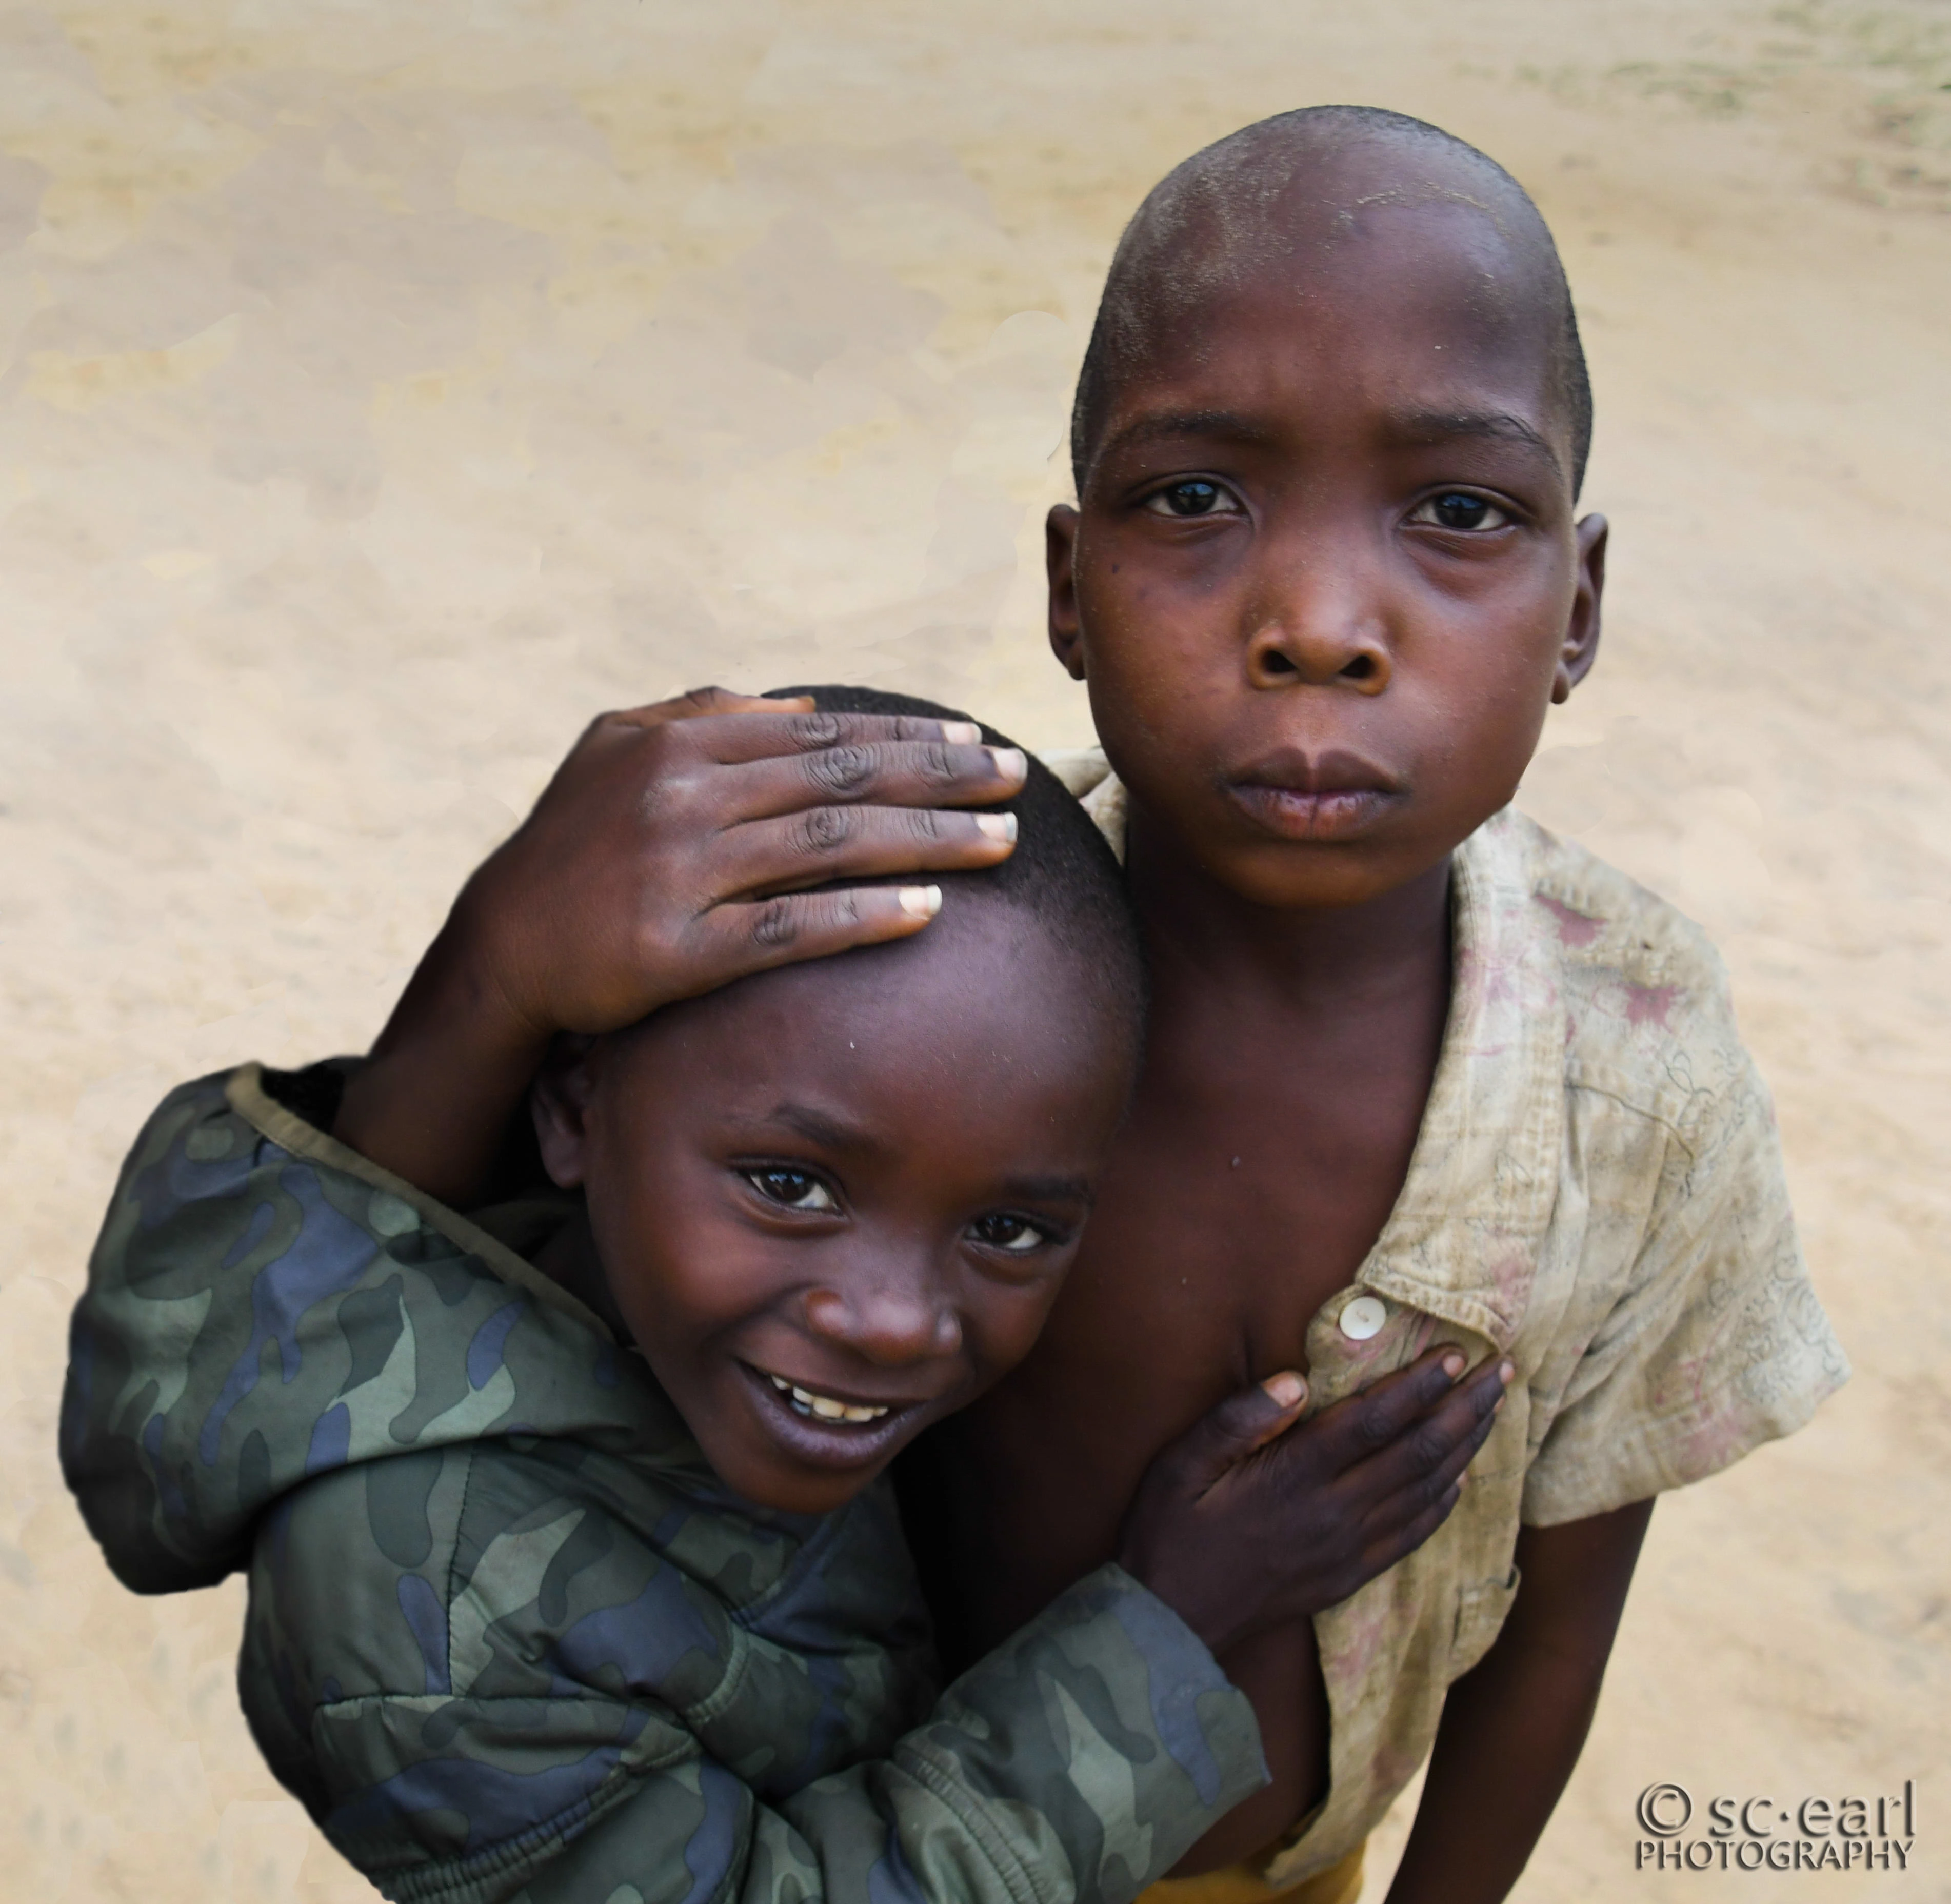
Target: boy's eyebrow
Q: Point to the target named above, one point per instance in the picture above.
(1189, 422)
(1420, 426)
(1051, 1190)
(821, 1127)
(1432, 426)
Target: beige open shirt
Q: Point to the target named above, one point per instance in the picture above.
(1597, 1192)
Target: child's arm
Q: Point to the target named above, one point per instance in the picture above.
(661, 861)
(565, 1716)
(541, 1703)
(1513, 1726)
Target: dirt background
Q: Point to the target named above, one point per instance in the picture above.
(392, 386)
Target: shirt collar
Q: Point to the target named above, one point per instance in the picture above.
(1463, 1241)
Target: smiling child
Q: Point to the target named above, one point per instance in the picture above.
(568, 1577)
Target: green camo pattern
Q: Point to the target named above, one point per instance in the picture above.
(508, 1638)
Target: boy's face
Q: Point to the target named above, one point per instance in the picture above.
(1325, 577)
(835, 1203)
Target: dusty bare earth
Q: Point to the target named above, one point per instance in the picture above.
(392, 386)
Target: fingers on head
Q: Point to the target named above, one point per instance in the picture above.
(773, 729)
(762, 933)
(844, 842)
(854, 768)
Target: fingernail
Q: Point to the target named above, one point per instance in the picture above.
(921, 902)
(963, 733)
(1453, 1366)
(1285, 1390)
(1010, 761)
(1507, 1371)
(998, 826)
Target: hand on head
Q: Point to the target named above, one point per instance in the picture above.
(670, 852)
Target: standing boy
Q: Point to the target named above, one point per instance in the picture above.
(1414, 1065)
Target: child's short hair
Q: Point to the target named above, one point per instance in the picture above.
(1211, 209)
(1062, 873)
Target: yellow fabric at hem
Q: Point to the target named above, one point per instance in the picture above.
(1339, 1883)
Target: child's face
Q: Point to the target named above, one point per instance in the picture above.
(835, 1203)
(1326, 577)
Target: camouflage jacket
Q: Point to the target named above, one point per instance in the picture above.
(507, 1636)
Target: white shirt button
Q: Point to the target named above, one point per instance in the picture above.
(1364, 1317)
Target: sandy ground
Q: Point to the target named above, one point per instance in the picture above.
(392, 386)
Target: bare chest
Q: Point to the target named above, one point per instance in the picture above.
(1239, 1199)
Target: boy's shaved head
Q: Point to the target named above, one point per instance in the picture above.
(1262, 199)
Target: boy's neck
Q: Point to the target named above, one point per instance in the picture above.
(1201, 934)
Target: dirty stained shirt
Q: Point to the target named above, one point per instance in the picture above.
(1596, 1192)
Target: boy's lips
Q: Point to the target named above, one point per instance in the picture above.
(1329, 798)
(823, 1429)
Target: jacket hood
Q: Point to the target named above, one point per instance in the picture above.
(264, 1305)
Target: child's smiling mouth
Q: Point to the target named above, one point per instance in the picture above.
(806, 1403)
(828, 1430)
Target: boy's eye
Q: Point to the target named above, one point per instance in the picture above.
(792, 1189)
(1457, 509)
(1194, 497)
(1017, 1234)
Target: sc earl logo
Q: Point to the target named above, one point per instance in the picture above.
(1766, 1833)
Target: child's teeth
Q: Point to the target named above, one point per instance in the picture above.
(806, 1402)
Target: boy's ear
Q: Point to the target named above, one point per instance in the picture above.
(1059, 555)
(559, 1102)
(1582, 631)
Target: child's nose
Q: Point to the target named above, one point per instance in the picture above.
(1317, 628)
(891, 1325)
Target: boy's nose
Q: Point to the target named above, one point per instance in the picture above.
(1316, 629)
(887, 1324)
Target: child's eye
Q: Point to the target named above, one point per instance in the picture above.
(1017, 1234)
(1194, 497)
(792, 1189)
(1458, 509)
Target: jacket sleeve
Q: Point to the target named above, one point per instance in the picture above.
(543, 1708)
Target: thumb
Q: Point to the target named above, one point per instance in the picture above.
(1236, 1427)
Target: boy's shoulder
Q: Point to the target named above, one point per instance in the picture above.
(1649, 1017)
(1648, 1013)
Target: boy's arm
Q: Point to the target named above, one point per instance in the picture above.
(1714, 1343)
(1513, 1726)
(665, 859)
